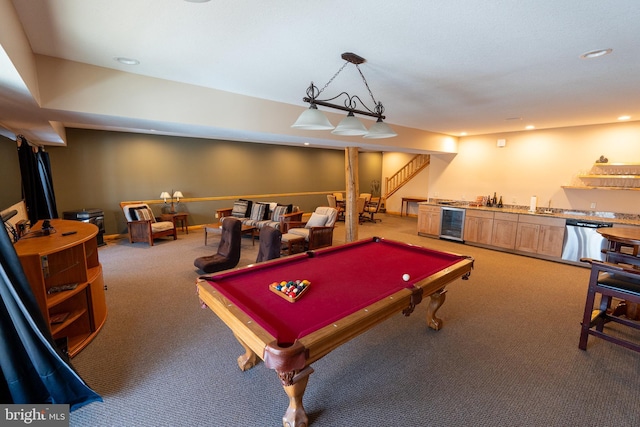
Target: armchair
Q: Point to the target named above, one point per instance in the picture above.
(333, 203)
(142, 226)
(318, 230)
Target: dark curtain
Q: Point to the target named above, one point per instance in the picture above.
(37, 182)
(32, 369)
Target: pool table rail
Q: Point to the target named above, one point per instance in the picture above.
(250, 335)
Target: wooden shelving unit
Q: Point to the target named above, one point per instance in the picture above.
(54, 260)
(610, 176)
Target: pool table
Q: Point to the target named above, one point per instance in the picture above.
(353, 287)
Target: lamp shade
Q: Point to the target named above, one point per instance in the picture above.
(380, 130)
(164, 195)
(312, 119)
(350, 126)
(178, 194)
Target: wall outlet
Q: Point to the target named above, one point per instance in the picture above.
(593, 205)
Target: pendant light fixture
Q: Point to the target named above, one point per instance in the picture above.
(314, 119)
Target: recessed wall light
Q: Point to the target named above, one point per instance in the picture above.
(127, 61)
(624, 117)
(595, 53)
(530, 127)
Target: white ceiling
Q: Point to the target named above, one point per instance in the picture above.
(441, 66)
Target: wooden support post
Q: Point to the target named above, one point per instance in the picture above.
(353, 190)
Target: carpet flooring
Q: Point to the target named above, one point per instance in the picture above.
(507, 354)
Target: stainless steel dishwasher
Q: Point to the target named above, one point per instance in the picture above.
(582, 240)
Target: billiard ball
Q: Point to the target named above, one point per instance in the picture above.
(406, 277)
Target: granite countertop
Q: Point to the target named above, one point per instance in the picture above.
(616, 218)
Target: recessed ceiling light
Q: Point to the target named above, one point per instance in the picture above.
(595, 53)
(127, 61)
(306, 143)
(530, 127)
(624, 117)
(463, 134)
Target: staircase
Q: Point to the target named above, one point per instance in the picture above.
(404, 175)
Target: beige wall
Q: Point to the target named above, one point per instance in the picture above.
(417, 187)
(538, 163)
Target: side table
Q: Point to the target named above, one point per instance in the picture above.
(178, 218)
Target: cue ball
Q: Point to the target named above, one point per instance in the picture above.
(406, 277)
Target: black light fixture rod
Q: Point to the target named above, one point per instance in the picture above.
(340, 107)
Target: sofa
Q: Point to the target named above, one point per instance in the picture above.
(261, 214)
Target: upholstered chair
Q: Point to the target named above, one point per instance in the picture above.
(270, 243)
(371, 208)
(228, 255)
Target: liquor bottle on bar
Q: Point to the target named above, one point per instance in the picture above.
(489, 201)
(500, 202)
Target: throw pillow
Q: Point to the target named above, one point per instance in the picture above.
(289, 207)
(316, 220)
(144, 214)
(257, 211)
(240, 208)
(267, 210)
(278, 212)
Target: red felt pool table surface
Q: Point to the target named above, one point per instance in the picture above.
(353, 287)
(343, 280)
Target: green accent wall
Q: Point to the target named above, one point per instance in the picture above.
(99, 169)
(11, 185)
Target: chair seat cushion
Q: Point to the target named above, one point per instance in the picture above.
(214, 263)
(621, 283)
(262, 223)
(302, 232)
(161, 226)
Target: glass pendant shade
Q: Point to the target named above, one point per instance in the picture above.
(380, 130)
(312, 119)
(350, 126)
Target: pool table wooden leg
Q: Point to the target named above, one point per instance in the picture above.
(249, 359)
(437, 299)
(294, 385)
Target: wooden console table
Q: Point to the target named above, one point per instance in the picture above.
(407, 200)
